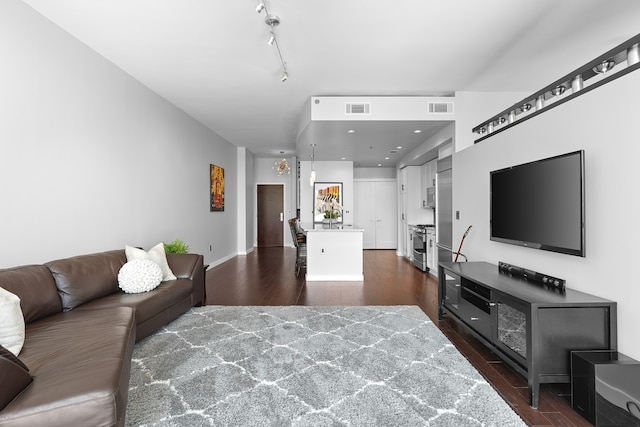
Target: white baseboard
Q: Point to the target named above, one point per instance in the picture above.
(221, 260)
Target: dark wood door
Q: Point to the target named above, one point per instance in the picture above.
(270, 215)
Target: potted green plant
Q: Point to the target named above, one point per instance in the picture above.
(332, 214)
(178, 246)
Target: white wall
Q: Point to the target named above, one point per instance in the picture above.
(265, 173)
(374, 173)
(245, 201)
(429, 149)
(92, 160)
(603, 122)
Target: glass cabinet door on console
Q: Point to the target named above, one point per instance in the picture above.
(511, 320)
(452, 291)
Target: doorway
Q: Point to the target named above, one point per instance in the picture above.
(270, 215)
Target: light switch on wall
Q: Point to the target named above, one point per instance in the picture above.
(457, 214)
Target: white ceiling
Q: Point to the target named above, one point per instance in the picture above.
(210, 57)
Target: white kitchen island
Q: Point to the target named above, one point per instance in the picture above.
(334, 253)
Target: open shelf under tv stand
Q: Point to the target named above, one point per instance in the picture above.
(530, 328)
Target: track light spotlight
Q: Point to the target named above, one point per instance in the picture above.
(285, 77)
(604, 66)
(558, 90)
(272, 38)
(260, 7)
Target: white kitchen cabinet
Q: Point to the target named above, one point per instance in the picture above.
(432, 172)
(403, 180)
(414, 214)
(427, 180)
(431, 252)
(411, 211)
(413, 190)
(424, 177)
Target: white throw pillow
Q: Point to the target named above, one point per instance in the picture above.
(139, 275)
(11, 322)
(155, 254)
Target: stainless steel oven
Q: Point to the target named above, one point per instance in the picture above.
(420, 250)
(419, 253)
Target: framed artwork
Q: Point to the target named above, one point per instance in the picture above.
(217, 188)
(327, 202)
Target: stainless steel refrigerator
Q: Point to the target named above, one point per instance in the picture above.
(444, 209)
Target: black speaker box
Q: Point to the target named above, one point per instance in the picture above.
(605, 388)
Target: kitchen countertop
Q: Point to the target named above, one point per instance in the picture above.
(307, 226)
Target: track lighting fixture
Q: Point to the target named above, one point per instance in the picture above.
(617, 62)
(273, 21)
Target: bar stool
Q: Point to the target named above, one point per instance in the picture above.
(300, 242)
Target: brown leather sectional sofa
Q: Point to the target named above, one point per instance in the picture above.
(80, 333)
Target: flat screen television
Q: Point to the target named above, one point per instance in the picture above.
(540, 204)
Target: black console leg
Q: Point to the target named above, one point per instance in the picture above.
(534, 392)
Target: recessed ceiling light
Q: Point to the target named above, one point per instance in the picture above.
(399, 147)
(350, 131)
(343, 158)
(417, 131)
(379, 164)
(386, 158)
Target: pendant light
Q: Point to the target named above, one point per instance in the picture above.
(312, 179)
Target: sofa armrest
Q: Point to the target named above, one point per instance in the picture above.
(189, 266)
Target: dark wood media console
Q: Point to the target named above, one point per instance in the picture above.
(531, 328)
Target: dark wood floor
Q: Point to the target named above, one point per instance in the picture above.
(266, 277)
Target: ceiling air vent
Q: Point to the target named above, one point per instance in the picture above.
(361, 108)
(440, 107)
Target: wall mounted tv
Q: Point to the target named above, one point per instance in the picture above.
(540, 204)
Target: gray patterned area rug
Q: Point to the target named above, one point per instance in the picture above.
(308, 366)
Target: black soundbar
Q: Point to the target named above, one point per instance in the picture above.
(552, 283)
